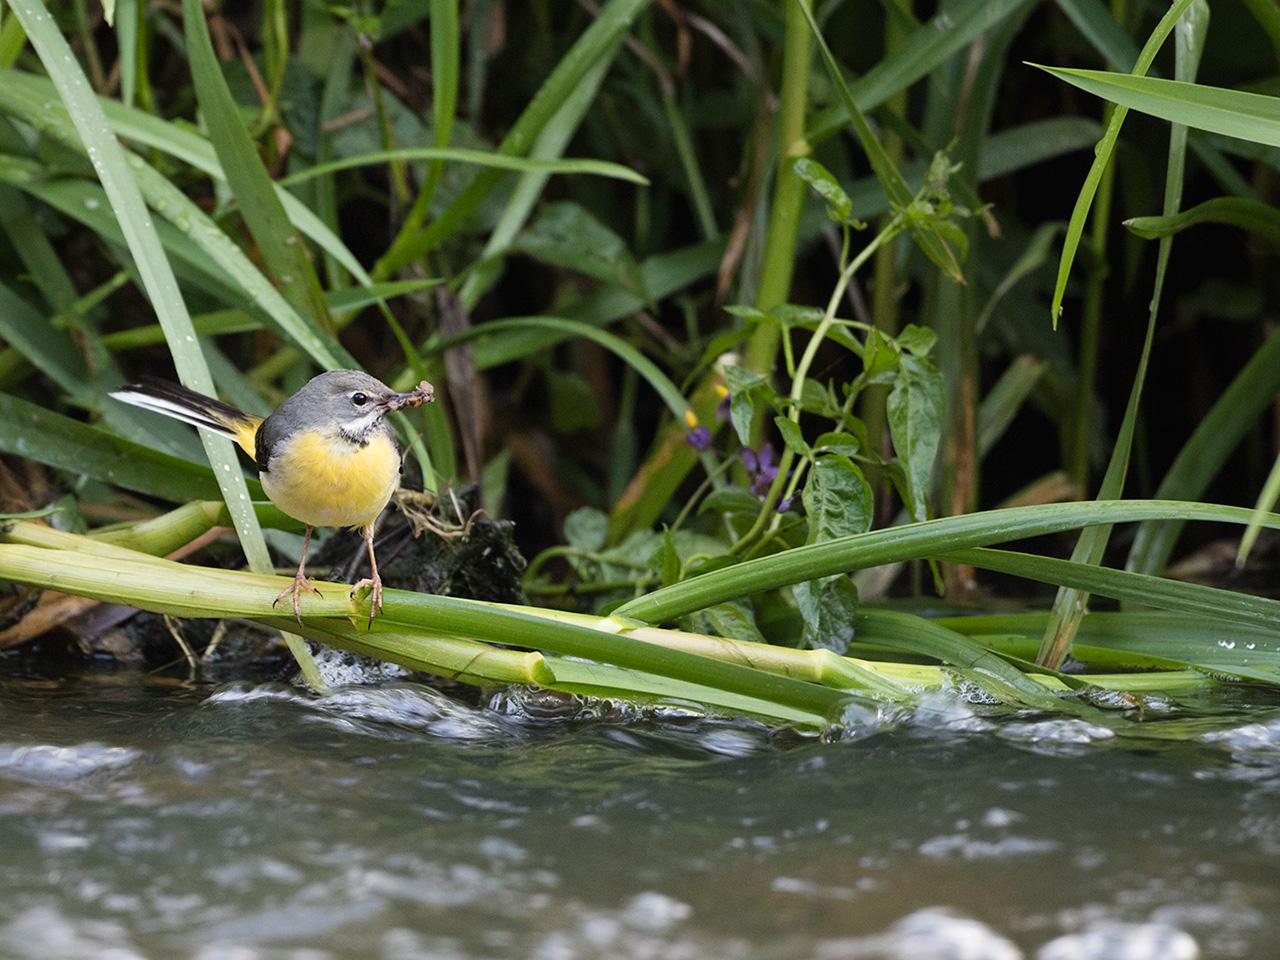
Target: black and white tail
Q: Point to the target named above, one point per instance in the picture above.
(174, 400)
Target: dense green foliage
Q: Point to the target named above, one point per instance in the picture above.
(723, 302)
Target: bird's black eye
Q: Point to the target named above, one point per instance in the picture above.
(359, 399)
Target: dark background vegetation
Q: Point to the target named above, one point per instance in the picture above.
(558, 411)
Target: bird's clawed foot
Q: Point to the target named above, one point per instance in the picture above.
(374, 584)
(294, 590)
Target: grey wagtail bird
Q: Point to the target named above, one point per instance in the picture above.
(327, 457)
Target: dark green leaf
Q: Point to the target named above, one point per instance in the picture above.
(828, 607)
(879, 355)
(837, 499)
(51, 350)
(565, 235)
(915, 422)
(793, 314)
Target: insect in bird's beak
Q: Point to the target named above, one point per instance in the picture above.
(422, 393)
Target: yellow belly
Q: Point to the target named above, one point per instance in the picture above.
(329, 482)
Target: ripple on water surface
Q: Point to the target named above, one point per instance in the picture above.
(395, 821)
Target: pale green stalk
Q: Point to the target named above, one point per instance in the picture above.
(788, 189)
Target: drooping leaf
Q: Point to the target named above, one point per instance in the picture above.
(747, 389)
(916, 409)
(482, 158)
(819, 178)
(792, 437)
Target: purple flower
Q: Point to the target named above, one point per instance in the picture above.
(761, 468)
(699, 438)
(784, 505)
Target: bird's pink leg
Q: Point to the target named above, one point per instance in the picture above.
(300, 581)
(373, 581)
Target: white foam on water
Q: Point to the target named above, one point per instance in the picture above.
(45, 763)
(1109, 940)
(928, 934)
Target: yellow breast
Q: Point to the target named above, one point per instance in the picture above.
(326, 481)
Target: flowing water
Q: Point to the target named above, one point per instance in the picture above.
(145, 817)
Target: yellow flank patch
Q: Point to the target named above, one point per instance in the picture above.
(326, 481)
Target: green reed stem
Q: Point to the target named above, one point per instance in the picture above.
(788, 189)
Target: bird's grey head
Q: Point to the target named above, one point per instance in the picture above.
(351, 401)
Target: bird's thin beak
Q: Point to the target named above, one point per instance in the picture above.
(422, 393)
